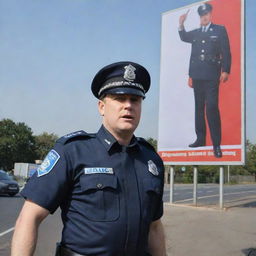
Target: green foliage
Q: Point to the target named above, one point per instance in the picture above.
(251, 158)
(17, 144)
(188, 177)
(250, 165)
(208, 174)
(44, 143)
(153, 142)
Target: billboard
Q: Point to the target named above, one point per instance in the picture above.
(201, 105)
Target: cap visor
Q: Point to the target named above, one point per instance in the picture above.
(202, 13)
(125, 90)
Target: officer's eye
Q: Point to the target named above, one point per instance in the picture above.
(120, 98)
(135, 99)
(123, 98)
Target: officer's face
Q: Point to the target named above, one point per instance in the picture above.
(206, 19)
(121, 113)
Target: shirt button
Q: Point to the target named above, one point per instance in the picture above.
(99, 185)
(203, 41)
(202, 51)
(157, 190)
(201, 57)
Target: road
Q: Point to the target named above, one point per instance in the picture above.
(208, 194)
(50, 230)
(10, 206)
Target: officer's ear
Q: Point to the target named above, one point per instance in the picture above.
(101, 106)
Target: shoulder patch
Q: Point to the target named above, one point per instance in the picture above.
(144, 142)
(74, 135)
(49, 162)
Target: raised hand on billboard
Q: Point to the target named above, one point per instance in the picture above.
(224, 77)
(190, 82)
(183, 17)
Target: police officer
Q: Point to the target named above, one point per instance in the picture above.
(109, 185)
(210, 64)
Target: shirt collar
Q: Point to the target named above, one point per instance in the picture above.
(207, 26)
(109, 141)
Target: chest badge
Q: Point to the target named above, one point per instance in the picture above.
(152, 168)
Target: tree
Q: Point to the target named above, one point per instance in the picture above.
(250, 166)
(153, 142)
(208, 174)
(17, 144)
(44, 142)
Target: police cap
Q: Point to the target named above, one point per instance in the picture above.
(204, 9)
(121, 78)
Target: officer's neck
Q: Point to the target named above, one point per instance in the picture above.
(206, 25)
(123, 137)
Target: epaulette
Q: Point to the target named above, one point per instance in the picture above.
(146, 143)
(74, 135)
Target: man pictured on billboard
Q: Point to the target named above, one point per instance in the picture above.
(210, 63)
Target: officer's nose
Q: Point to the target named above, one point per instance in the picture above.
(128, 104)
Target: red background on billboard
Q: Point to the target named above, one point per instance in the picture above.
(228, 13)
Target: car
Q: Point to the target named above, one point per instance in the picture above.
(7, 184)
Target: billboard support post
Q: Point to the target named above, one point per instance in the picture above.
(221, 186)
(228, 174)
(171, 183)
(195, 186)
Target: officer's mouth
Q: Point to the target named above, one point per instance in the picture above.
(128, 117)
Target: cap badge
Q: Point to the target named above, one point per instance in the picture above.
(129, 73)
(203, 7)
(152, 168)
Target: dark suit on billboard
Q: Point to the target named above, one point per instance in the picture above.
(210, 55)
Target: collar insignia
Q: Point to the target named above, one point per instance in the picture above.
(129, 73)
(107, 141)
(152, 168)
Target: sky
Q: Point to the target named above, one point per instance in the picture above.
(50, 51)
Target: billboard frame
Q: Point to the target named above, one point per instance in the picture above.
(163, 152)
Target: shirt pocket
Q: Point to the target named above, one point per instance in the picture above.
(152, 193)
(214, 41)
(100, 197)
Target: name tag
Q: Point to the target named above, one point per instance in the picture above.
(94, 170)
(214, 36)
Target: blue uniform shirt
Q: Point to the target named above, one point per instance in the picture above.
(109, 194)
(210, 52)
